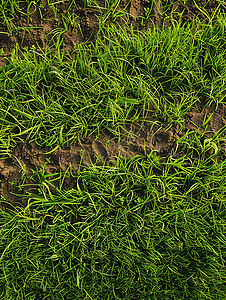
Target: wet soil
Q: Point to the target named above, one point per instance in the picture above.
(27, 157)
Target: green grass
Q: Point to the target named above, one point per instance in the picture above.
(148, 229)
(141, 236)
(101, 85)
(8, 8)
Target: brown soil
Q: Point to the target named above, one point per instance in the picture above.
(106, 146)
(89, 24)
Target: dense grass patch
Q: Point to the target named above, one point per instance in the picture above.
(135, 235)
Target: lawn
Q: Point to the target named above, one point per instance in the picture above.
(112, 153)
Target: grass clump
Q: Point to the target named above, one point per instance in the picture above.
(105, 82)
(124, 233)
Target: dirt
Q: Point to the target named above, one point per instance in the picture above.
(156, 133)
(88, 22)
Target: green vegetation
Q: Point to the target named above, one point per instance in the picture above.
(140, 236)
(106, 81)
(146, 229)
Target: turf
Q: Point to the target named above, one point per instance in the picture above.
(143, 227)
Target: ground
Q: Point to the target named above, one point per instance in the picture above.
(156, 132)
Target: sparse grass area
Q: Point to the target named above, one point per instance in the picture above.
(144, 229)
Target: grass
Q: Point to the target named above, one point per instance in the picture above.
(140, 236)
(107, 81)
(145, 229)
(8, 8)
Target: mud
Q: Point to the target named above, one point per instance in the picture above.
(26, 158)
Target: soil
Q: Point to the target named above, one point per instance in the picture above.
(156, 134)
